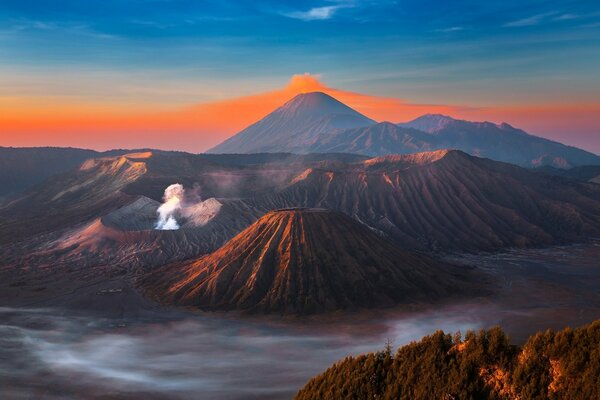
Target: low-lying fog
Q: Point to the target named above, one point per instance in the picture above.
(193, 357)
(52, 353)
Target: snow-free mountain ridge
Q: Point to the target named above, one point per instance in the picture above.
(317, 123)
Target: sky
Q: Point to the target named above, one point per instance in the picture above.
(184, 75)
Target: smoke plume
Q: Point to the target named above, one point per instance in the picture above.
(168, 211)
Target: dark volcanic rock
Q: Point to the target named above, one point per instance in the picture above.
(302, 261)
(447, 200)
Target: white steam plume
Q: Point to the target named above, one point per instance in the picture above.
(173, 199)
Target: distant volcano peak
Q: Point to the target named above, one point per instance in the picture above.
(295, 125)
(317, 104)
(319, 96)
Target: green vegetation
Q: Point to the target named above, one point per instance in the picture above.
(484, 365)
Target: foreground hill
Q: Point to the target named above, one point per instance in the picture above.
(303, 261)
(551, 365)
(448, 200)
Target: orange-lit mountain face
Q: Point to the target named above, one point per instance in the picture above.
(304, 261)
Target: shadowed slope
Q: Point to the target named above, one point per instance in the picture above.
(301, 261)
(585, 173)
(72, 198)
(102, 185)
(500, 142)
(374, 140)
(442, 200)
(21, 168)
(448, 200)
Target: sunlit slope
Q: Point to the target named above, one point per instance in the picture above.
(302, 261)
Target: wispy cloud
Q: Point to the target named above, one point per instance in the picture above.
(451, 29)
(317, 13)
(78, 29)
(566, 17)
(529, 21)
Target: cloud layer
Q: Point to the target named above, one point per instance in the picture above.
(316, 13)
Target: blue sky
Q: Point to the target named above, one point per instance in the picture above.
(152, 55)
(458, 50)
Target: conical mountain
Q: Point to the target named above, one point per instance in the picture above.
(295, 126)
(303, 261)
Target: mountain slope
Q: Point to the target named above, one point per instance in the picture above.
(72, 198)
(374, 140)
(104, 212)
(448, 200)
(126, 238)
(316, 122)
(430, 123)
(24, 167)
(589, 173)
(443, 200)
(499, 142)
(102, 185)
(302, 261)
(21, 168)
(294, 126)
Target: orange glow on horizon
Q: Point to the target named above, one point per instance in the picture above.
(199, 127)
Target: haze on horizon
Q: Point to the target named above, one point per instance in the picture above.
(185, 75)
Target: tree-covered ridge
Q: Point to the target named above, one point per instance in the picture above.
(484, 365)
